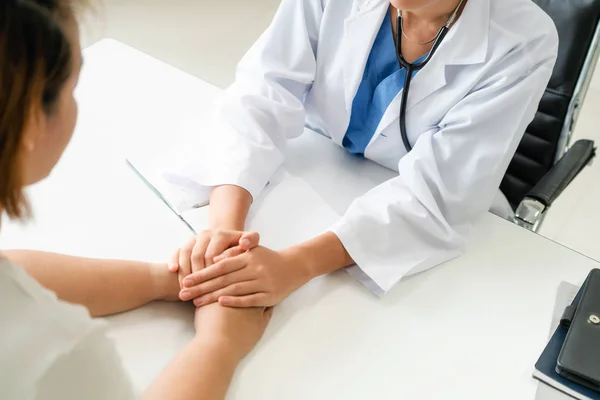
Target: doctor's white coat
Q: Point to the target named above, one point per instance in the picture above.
(467, 111)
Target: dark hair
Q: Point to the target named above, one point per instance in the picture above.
(35, 63)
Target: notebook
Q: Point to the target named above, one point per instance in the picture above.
(554, 386)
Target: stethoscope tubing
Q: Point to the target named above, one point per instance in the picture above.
(410, 69)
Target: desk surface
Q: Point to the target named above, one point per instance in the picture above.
(469, 329)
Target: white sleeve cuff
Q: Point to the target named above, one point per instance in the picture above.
(362, 271)
(360, 276)
(186, 192)
(380, 269)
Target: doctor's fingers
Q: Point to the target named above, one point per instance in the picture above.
(229, 253)
(217, 245)
(237, 289)
(221, 241)
(224, 267)
(199, 252)
(247, 241)
(185, 257)
(215, 284)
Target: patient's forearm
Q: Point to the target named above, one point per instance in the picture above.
(103, 286)
(201, 371)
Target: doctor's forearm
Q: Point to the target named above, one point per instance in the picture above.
(229, 207)
(320, 255)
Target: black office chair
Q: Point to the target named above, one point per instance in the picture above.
(544, 163)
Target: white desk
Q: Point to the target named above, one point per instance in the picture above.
(469, 329)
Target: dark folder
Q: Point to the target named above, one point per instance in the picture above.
(579, 358)
(575, 362)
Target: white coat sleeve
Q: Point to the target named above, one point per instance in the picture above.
(422, 217)
(263, 107)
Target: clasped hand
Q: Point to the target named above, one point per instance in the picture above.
(230, 267)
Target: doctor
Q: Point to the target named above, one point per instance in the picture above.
(334, 65)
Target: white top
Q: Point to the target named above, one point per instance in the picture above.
(51, 349)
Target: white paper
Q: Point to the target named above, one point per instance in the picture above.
(280, 225)
(168, 160)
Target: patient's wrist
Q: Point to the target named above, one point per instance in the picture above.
(165, 284)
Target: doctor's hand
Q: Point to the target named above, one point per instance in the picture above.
(257, 278)
(209, 247)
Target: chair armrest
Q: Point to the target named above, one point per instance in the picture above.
(563, 172)
(530, 212)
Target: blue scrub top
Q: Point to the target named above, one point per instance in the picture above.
(382, 80)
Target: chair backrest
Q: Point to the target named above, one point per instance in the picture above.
(544, 139)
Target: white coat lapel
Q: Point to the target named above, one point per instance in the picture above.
(360, 30)
(466, 43)
(430, 79)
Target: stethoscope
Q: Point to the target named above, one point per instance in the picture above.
(411, 68)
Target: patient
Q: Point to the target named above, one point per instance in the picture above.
(50, 348)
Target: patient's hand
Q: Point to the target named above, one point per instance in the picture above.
(234, 329)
